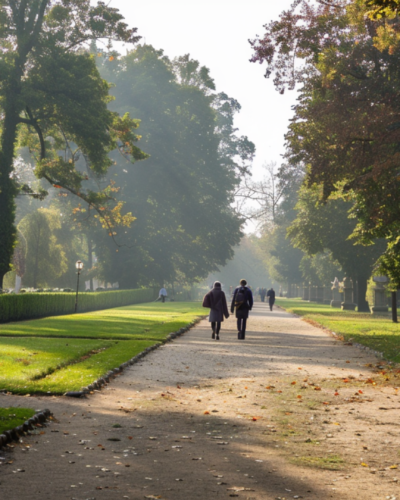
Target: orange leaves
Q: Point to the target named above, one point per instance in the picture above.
(336, 394)
(206, 412)
(294, 382)
(254, 419)
(317, 388)
(346, 380)
(299, 397)
(57, 186)
(360, 392)
(370, 381)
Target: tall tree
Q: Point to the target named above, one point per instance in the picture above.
(346, 124)
(48, 83)
(182, 194)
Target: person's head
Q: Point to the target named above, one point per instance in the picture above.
(243, 282)
(217, 284)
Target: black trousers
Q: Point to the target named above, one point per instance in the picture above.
(162, 298)
(216, 326)
(241, 325)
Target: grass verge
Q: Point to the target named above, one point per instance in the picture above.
(13, 417)
(376, 332)
(65, 353)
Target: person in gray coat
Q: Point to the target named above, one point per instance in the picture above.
(215, 300)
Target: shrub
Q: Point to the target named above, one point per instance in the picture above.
(38, 305)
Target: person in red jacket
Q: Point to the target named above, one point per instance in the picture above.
(215, 300)
(242, 302)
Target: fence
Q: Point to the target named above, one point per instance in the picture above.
(38, 305)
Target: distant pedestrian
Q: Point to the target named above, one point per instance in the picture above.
(162, 294)
(215, 300)
(271, 297)
(242, 303)
(263, 293)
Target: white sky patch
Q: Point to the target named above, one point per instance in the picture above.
(216, 33)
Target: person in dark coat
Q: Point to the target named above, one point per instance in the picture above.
(271, 297)
(263, 293)
(215, 300)
(242, 302)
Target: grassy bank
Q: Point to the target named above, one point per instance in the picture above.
(65, 353)
(376, 332)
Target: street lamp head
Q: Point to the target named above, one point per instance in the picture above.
(79, 265)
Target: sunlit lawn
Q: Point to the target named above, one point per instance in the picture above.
(12, 417)
(377, 332)
(66, 353)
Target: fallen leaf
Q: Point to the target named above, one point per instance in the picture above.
(360, 391)
(347, 361)
(364, 465)
(346, 380)
(317, 388)
(299, 397)
(255, 418)
(206, 412)
(336, 394)
(393, 467)
(294, 382)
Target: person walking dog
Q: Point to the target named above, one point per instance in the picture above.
(271, 297)
(242, 303)
(215, 300)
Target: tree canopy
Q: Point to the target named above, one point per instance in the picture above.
(50, 85)
(346, 124)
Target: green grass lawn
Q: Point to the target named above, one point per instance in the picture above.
(377, 332)
(13, 417)
(65, 353)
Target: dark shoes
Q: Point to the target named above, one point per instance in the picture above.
(241, 336)
(217, 337)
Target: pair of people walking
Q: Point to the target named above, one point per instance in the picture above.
(242, 303)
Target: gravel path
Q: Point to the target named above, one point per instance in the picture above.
(200, 419)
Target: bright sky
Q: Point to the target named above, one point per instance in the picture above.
(216, 33)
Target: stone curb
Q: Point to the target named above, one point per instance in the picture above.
(105, 379)
(29, 425)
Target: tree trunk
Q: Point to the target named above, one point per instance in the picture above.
(7, 190)
(362, 291)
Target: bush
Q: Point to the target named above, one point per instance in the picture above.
(38, 305)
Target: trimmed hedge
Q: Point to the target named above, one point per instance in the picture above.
(39, 305)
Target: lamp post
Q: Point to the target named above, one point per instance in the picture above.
(79, 267)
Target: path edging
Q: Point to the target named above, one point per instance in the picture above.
(21, 430)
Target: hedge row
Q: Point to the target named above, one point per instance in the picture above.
(39, 305)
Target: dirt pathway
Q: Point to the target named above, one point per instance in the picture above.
(288, 413)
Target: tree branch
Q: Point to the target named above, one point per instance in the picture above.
(35, 125)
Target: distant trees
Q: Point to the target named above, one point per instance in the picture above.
(45, 258)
